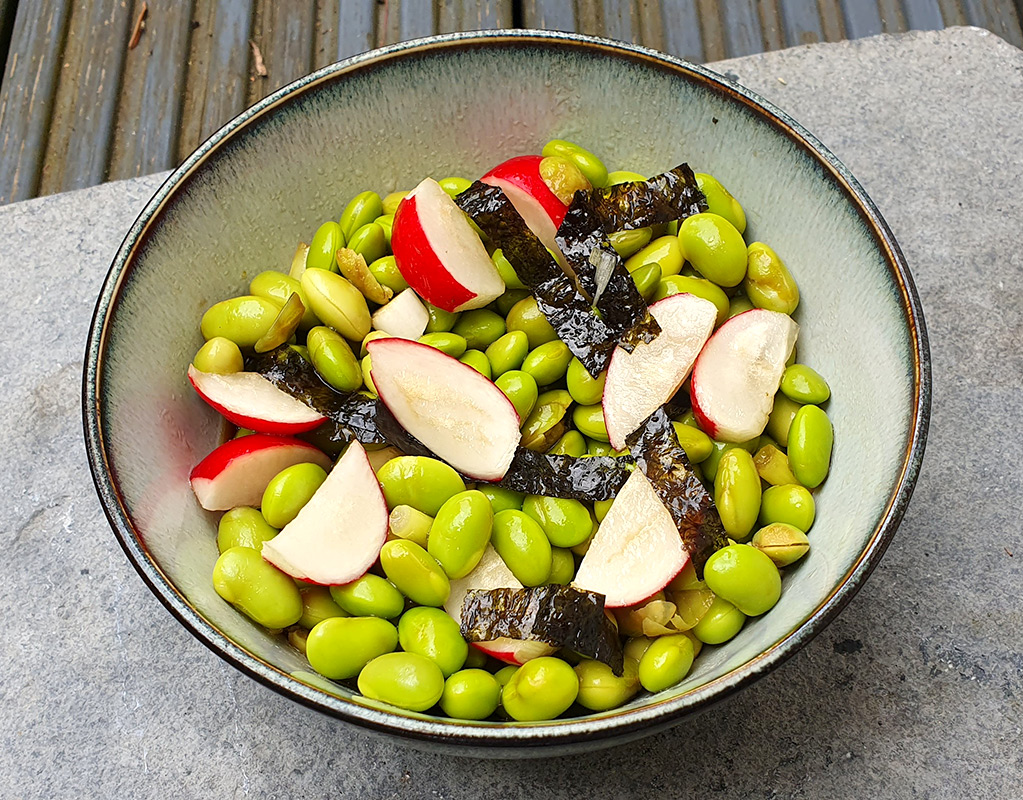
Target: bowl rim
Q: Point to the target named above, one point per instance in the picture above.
(559, 735)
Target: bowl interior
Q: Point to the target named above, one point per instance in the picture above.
(457, 107)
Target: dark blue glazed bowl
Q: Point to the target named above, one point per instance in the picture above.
(456, 105)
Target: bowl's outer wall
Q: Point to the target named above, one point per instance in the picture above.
(458, 110)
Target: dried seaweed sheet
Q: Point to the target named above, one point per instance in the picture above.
(664, 462)
(561, 616)
(591, 478)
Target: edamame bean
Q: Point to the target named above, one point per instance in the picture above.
(454, 186)
(430, 632)
(810, 441)
(337, 303)
(635, 647)
(243, 527)
(737, 493)
(589, 420)
(626, 243)
(410, 523)
(804, 385)
(386, 221)
(506, 271)
(415, 573)
(600, 689)
(623, 176)
(548, 362)
(739, 304)
(333, 359)
(540, 689)
(566, 522)
(546, 422)
(369, 241)
(525, 316)
(257, 588)
(507, 352)
(666, 661)
(720, 623)
(480, 328)
(369, 596)
(601, 507)
(405, 680)
(461, 532)
(773, 466)
(476, 659)
(782, 414)
(647, 279)
(470, 694)
(523, 546)
(714, 247)
(520, 388)
(367, 375)
(585, 389)
(696, 443)
(440, 321)
(327, 240)
(782, 543)
(243, 320)
(477, 359)
(507, 301)
(297, 639)
(318, 605)
(390, 203)
(572, 443)
(339, 647)
(563, 178)
(562, 567)
(679, 284)
(417, 481)
(284, 326)
(768, 283)
(665, 252)
(501, 499)
(220, 356)
(279, 287)
(385, 270)
(364, 207)
(589, 165)
(789, 503)
(450, 343)
(720, 201)
(745, 577)
(289, 490)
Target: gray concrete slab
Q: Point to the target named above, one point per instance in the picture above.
(914, 691)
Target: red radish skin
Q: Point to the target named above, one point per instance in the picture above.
(250, 401)
(336, 536)
(439, 254)
(237, 472)
(524, 172)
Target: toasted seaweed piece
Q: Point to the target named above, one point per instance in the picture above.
(664, 462)
(590, 478)
(561, 616)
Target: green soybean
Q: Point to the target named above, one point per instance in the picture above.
(665, 252)
(501, 499)
(454, 186)
(584, 388)
(243, 320)
(520, 388)
(385, 270)
(720, 201)
(318, 605)
(810, 440)
(337, 303)
(572, 443)
(548, 362)
(739, 304)
(333, 359)
(289, 490)
(647, 279)
(696, 443)
(789, 503)
(220, 356)
(257, 588)
(477, 359)
(440, 320)
(386, 221)
(418, 481)
(804, 385)
(415, 573)
(666, 661)
(391, 202)
(364, 207)
(589, 420)
(745, 577)
(470, 694)
(340, 647)
(461, 532)
(450, 343)
(476, 659)
(773, 466)
(546, 422)
(721, 622)
(372, 336)
(679, 284)
(623, 176)
(279, 287)
(367, 375)
(601, 507)
(600, 689)
(589, 165)
(503, 675)
(714, 247)
(369, 241)
(243, 527)
(780, 420)
(768, 283)
(327, 240)
(480, 328)
(783, 544)
(566, 522)
(430, 632)
(405, 680)
(523, 546)
(626, 243)
(540, 689)
(506, 270)
(507, 352)
(562, 567)
(635, 647)
(737, 493)
(525, 316)
(407, 522)
(369, 596)
(507, 301)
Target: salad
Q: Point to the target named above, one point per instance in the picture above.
(514, 448)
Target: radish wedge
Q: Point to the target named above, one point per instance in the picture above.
(405, 316)
(461, 416)
(538, 206)
(250, 401)
(636, 551)
(639, 382)
(237, 472)
(738, 373)
(337, 535)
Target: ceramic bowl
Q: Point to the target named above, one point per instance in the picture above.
(457, 105)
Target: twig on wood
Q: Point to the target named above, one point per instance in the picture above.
(140, 24)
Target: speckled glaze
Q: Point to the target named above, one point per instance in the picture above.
(456, 105)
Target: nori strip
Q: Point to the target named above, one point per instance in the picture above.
(664, 462)
(561, 616)
(591, 478)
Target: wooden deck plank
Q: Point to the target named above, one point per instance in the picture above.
(8, 10)
(82, 120)
(416, 19)
(771, 26)
(287, 41)
(952, 12)
(832, 23)
(923, 15)
(742, 28)
(711, 31)
(27, 94)
(892, 18)
(993, 15)
(682, 36)
(355, 23)
(589, 17)
(862, 18)
(473, 15)
(651, 23)
(619, 21)
(801, 21)
(548, 15)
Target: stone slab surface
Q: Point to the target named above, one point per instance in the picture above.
(915, 691)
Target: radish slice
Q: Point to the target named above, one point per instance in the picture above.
(405, 316)
(538, 206)
(250, 401)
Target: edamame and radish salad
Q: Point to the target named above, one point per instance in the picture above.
(514, 448)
